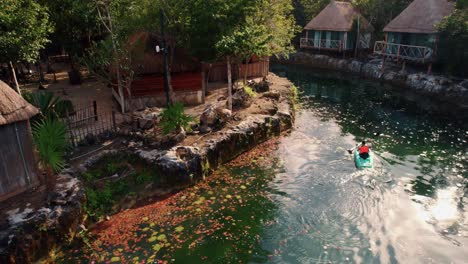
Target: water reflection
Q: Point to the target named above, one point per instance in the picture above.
(409, 209)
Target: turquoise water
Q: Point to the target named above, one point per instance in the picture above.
(411, 208)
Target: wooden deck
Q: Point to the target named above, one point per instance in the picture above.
(321, 44)
(419, 54)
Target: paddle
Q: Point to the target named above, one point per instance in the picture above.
(350, 151)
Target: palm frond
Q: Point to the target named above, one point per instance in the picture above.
(50, 138)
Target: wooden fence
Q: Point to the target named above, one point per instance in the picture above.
(86, 123)
(217, 72)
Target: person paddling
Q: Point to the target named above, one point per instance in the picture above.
(364, 150)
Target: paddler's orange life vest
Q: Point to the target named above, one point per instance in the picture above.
(363, 149)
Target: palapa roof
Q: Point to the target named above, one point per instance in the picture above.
(421, 16)
(13, 108)
(337, 16)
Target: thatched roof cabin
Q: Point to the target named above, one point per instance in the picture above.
(421, 17)
(18, 170)
(337, 16)
(332, 28)
(413, 34)
(13, 108)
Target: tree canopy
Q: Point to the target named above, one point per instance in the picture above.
(24, 30)
(454, 39)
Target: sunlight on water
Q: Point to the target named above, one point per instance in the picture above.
(445, 208)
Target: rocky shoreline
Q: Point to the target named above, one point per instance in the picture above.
(436, 86)
(40, 232)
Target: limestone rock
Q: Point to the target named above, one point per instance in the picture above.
(240, 99)
(214, 115)
(262, 86)
(275, 95)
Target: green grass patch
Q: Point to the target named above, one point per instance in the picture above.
(113, 178)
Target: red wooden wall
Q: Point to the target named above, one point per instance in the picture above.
(148, 85)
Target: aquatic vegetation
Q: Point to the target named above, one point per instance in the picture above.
(227, 211)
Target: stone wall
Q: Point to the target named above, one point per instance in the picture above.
(33, 232)
(40, 231)
(442, 87)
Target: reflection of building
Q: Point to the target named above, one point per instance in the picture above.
(18, 170)
(412, 35)
(333, 29)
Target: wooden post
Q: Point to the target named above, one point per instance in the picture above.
(67, 118)
(404, 66)
(14, 79)
(95, 110)
(203, 86)
(398, 54)
(357, 39)
(424, 55)
(114, 124)
(345, 40)
(429, 69)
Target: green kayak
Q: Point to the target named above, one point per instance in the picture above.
(363, 163)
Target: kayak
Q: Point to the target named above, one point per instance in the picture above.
(363, 163)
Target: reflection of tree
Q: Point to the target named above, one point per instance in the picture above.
(364, 108)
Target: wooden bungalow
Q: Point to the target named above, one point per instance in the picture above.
(18, 168)
(147, 87)
(413, 35)
(333, 29)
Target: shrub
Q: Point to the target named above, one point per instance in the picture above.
(249, 91)
(173, 118)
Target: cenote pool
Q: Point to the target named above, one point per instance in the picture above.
(299, 199)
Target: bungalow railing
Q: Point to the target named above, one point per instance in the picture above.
(405, 52)
(321, 44)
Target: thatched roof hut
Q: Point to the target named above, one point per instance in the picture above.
(332, 29)
(337, 16)
(18, 169)
(13, 108)
(421, 16)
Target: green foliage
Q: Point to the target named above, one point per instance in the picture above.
(249, 91)
(72, 21)
(380, 12)
(143, 176)
(305, 10)
(50, 105)
(50, 138)
(294, 96)
(174, 118)
(453, 49)
(24, 27)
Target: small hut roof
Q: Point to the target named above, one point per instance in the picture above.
(13, 108)
(421, 16)
(337, 16)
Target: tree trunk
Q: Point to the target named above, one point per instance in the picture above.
(229, 82)
(245, 71)
(119, 78)
(14, 78)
